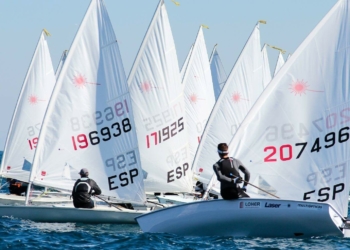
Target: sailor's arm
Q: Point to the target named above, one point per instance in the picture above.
(73, 191)
(219, 175)
(96, 188)
(246, 173)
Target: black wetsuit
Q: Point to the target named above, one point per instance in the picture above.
(226, 170)
(17, 187)
(82, 190)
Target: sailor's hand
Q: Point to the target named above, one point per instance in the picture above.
(237, 180)
(244, 188)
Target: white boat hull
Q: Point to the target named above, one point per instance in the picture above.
(11, 199)
(175, 199)
(245, 217)
(64, 214)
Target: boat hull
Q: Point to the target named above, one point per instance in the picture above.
(11, 199)
(64, 214)
(175, 199)
(245, 218)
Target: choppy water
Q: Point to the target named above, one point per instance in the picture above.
(17, 234)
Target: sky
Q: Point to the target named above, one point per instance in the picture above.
(230, 23)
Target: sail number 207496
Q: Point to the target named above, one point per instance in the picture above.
(285, 152)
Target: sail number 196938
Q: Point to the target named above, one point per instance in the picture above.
(104, 134)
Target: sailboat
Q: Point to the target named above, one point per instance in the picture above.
(199, 93)
(242, 88)
(159, 110)
(88, 123)
(26, 122)
(296, 139)
(218, 73)
(199, 102)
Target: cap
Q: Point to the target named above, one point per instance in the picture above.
(84, 172)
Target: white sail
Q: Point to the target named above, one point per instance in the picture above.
(279, 63)
(89, 122)
(60, 64)
(157, 98)
(266, 66)
(218, 73)
(184, 66)
(296, 136)
(199, 93)
(242, 88)
(29, 113)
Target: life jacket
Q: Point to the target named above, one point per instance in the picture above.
(82, 191)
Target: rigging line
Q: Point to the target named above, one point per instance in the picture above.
(6, 183)
(258, 188)
(155, 203)
(112, 205)
(43, 193)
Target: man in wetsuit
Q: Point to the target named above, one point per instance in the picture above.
(227, 172)
(17, 187)
(83, 189)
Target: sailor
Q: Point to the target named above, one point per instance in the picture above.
(199, 188)
(227, 172)
(83, 189)
(17, 187)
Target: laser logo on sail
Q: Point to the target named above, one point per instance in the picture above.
(80, 81)
(236, 97)
(147, 87)
(300, 87)
(33, 99)
(194, 98)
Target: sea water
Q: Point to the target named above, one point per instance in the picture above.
(21, 234)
